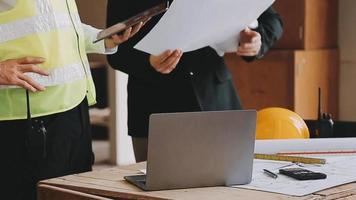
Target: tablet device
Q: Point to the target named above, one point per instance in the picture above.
(122, 26)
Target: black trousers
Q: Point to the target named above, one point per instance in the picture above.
(68, 147)
(140, 147)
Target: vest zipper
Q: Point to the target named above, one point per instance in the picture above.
(77, 35)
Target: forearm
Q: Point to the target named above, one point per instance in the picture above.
(128, 59)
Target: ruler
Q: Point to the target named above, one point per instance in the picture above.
(320, 153)
(295, 159)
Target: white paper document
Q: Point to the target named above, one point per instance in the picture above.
(306, 145)
(189, 25)
(339, 171)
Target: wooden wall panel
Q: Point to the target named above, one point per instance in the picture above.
(316, 69)
(321, 26)
(289, 79)
(308, 24)
(264, 83)
(293, 16)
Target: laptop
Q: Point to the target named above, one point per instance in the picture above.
(198, 149)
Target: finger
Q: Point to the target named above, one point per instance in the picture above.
(117, 39)
(251, 53)
(31, 82)
(144, 22)
(168, 63)
(163, 56)
(242, 50)
(246, 30)
(136, 29)
(25, 85)
(170, 60)
(250, 46)
(172, 66)
(33, 68)
(249, 35)
(256, 38)
(31, 60)
(127, 34)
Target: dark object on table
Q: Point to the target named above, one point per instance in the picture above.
(302, 174)
(325, 124)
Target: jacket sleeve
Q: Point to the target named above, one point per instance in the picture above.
(128, 59)
(90, 34)
(271, 29)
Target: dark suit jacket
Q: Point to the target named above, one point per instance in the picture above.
(201, 81)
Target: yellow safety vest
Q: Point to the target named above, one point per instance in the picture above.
(50, 29)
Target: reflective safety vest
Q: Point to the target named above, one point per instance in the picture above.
(50, 29)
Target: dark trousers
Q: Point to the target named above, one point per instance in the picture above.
(68, 147)
(140, 147)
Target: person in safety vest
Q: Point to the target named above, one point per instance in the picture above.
(45, 90)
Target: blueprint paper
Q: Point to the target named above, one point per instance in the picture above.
(305, 145)
(189, 25)
(339, 168)
(339, 171)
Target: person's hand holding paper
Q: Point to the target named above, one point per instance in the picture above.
(250, 43)
(191, 25)
(166, 62)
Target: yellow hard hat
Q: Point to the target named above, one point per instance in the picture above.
(280, 123)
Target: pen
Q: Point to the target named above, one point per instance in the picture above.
(270, 174)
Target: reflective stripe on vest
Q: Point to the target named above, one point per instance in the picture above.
(50, 29)
(48, 21)
(45, 21)
(58, 76)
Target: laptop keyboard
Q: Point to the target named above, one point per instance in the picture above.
(142, 181)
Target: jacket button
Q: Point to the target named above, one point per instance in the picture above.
(191, 73)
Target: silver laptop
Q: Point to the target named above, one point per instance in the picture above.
(202, 149)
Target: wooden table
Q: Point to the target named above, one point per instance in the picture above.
(109, 184)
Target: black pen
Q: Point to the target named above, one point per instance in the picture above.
(270, 174)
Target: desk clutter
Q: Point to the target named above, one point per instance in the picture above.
(339, 168)
(320, 164)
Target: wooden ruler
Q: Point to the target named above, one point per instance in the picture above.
(319, 153)
(295, 159)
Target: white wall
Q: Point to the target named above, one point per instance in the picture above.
(121, 151)
(347, 41)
